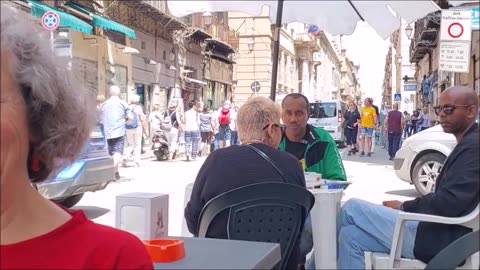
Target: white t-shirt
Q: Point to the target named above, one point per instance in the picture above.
(233, 120)
(192, 121)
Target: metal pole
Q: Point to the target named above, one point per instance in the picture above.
(276, 49)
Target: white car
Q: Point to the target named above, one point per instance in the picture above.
(421, 157)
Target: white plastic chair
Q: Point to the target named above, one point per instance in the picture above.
(394, 260)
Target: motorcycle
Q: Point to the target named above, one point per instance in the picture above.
(160, 145)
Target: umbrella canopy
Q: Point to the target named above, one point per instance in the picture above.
(336, 17)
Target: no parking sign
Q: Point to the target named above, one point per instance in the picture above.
(50, 20)
(455, 39)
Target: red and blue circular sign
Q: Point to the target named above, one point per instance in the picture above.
(50, 20)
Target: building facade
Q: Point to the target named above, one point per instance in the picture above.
(424, 53)
(309, 62)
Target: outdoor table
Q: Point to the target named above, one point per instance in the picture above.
(324, 226)
(209, 253)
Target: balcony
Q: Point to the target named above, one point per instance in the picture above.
(425, 36)
(304, 39)
(218, 30)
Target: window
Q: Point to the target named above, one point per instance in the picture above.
(323, 110)
(164, 55)
(143, 45)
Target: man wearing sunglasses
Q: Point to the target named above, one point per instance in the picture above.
(365, 226)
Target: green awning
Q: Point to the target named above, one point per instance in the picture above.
(66, 20)
(100, 21)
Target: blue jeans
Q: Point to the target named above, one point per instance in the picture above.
(393, 143)
(364, 226)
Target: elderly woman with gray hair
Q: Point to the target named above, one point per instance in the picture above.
(258, 125)
(45, 122)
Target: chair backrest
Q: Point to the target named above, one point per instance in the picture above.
(265, 212)
(457, 252)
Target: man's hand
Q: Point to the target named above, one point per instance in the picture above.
(393, 204)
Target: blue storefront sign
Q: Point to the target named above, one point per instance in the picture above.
(410, 87)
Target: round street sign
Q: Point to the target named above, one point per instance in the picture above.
(455, 30)
(50, 20)
(255, 86)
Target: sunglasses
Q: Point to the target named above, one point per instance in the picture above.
(448, 108)
(282, 127)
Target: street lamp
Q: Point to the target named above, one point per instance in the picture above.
(409, 31)
(251, 45)
(207, 18)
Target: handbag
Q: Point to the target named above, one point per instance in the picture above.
(269, 160)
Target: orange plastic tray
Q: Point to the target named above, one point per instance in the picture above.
(165, 250)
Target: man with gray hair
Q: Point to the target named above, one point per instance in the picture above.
(134, 133)
(115, 114)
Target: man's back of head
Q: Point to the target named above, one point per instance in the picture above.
(114, 91)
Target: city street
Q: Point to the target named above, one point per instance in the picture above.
(373, 180)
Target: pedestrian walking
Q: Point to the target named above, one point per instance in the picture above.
(407, 130)
(115, 115)
(206, 129)
(424, 120)
(368, 123)
(134, 132)
(155, 118)
(192, 131)
(351, 121)
(394, 128)
(170, 126)
(224, 119)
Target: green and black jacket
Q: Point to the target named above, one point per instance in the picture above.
(322, 155)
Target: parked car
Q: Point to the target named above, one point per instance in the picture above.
(421, 157)
(91, 172)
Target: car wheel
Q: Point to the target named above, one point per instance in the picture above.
(71, 201)
(426, 171)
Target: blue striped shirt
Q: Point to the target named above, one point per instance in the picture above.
(114, 112)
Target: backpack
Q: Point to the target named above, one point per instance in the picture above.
(224, 118)
(134, 122)
(166, 124)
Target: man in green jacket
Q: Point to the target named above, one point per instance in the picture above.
(314, 147)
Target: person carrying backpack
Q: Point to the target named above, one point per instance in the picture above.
(134, 131)
(224, 131)
(169, 126)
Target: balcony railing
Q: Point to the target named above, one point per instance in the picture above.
(425, 36)
(218, 29)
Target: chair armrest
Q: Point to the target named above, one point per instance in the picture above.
(405, 216)
(402, 218)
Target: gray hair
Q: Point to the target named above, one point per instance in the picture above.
(134, 99)
(59, 113)
(254, 115)
(114, 90)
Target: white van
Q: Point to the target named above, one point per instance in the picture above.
(328, 114)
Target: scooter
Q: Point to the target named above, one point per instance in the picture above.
(160, 145)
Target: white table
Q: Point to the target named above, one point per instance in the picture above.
(209, 253)
(324, 226)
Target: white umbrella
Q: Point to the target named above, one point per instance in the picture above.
(336, 17)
